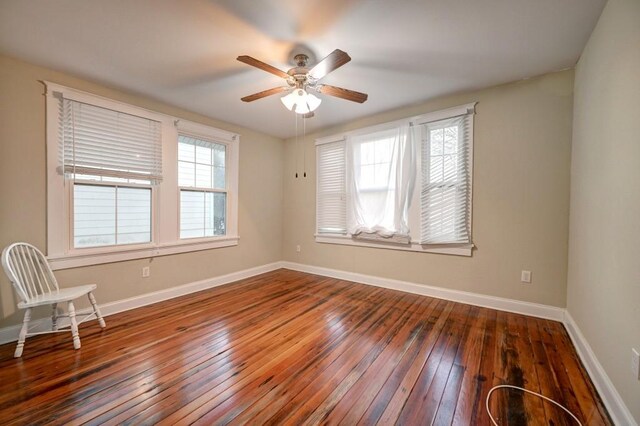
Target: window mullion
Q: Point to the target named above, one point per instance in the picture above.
(116, 213)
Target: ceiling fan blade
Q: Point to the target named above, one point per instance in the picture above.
(335, 60)
(264, 94)
(264, 67)
(339, 92)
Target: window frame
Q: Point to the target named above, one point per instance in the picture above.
(99, 249)
(414, 213)
(211, 139)
(164, 196)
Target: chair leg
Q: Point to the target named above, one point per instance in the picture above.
(23, 334)
(96, 310)
(54, 317)
(74, 326)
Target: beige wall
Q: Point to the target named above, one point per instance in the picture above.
(520, 198)
(604, 276)
(23, 194)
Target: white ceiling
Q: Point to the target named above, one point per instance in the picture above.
(403, 52)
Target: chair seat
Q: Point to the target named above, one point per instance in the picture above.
(62, 295)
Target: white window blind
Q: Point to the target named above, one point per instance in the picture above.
(103, 142)
(446, 192)
(331, 209)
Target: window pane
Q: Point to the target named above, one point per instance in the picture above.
(186, 151)
(191, 214)
(367, 177)
(186, 174)
(450, 140)
(94, 220)
(367, 153)
(450, 167)
(134, 215)
(383, 150)
(219, 178)
(440, 214)
(99, 220)
(436, 138)
(203, 154)
(203, 176)
(219, 213)
(201, 163)
(435, 169)
(219, 155)
(202, 214)
(382, 175)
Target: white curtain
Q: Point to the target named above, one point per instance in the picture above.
(383, 172)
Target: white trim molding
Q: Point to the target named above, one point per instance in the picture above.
(453, 249)
(10, 334)
(165, 196)
(616, 407)
(499, 303)
(122, 253)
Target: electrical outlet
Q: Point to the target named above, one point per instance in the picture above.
(146, 272)
(635, 363)
(525, 276)
(298, 248)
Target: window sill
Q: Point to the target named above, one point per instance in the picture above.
(119, 254)
(452, 249)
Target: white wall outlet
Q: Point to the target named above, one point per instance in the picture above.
(525, 276)
(146, 272)
(298, 248)
(635, 363)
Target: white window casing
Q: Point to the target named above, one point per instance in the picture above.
(445, 198)
(149, 170)
(455, 212)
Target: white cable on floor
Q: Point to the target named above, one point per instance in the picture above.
(527, 391)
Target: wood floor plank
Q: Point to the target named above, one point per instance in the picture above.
(470, 360)
(287, 347)
(426, 394)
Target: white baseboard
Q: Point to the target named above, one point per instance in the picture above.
(616, 407)
(610, 396)
(10, 334)
(500, 303)
(618, 411)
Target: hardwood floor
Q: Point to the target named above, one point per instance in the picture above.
(294, 348)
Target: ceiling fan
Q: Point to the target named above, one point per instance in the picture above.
(300, 79)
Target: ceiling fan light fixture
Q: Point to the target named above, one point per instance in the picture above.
(313, 101)
(300, 101)
(302, 108)
(290, 100)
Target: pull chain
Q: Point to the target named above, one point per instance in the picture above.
(297, 147)
(304, 146)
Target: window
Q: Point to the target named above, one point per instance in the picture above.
(110, 215)
(445, 195)
(404, 185)
(331, 207)
(127, 183)
(202, 181)
(380, 170)
(105, 151)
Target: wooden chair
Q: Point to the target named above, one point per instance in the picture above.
(31, 276)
